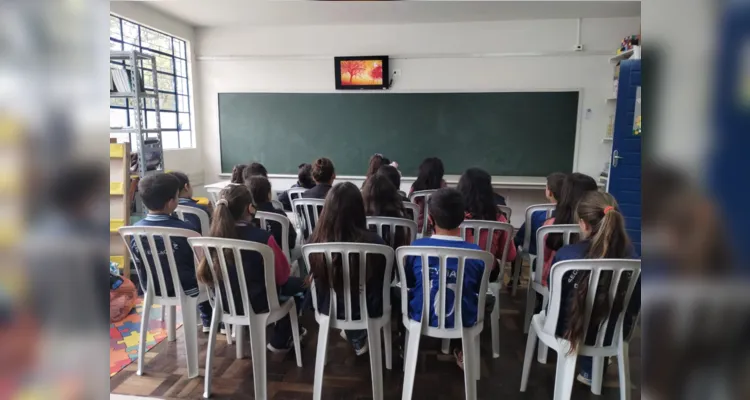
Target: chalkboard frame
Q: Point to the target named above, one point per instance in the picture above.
(577, 139)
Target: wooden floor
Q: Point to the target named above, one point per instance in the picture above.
(348, 376)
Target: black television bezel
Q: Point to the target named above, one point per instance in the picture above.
(386, 73)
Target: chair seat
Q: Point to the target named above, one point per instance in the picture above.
(559, 344)
(378, 322)
(435, 332)
(281, 312)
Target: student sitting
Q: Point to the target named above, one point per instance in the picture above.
(382, 200)
(238, 172)
(552, 193)
(304, 180)
(446, 214)
(430, 177)
(232, 219)
(394, 176)
(256, 169)
(603, 236)
(574, 187)
(186, 199)
(159, 195)
(475, 186)
(260, 188)
(376, 161)
(343, 220)
(323, 174)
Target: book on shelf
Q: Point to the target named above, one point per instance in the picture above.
(120, 80)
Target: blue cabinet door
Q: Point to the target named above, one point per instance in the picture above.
(625, 163)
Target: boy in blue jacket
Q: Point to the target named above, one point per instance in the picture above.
(159, 193)
(446, 215)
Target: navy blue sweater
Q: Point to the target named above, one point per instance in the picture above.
(192, 218)
(183, 255)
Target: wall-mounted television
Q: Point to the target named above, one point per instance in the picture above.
(362, 73)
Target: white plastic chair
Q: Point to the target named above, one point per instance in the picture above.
(371, 324)
(214, 194)
(188, 305)
(425, 196)
(414, 209)
(491, 227)
(307, 211)
(228, 314)
(535, 282)
(295, 193)
(544, 325)
(277, 205)
(523, 253)
(265, 220)
(202, 216)
(505, 210)
(408, 226)
(415, 329)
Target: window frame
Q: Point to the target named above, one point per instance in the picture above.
(178, 131)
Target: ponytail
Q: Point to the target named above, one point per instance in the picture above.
(231, 208)
(607, 239)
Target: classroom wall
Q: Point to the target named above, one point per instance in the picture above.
(188, 160)
(477, 56)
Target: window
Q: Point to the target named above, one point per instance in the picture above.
(172, 77)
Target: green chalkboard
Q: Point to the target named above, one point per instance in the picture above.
(507, 134)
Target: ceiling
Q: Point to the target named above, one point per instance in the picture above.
(219, 13)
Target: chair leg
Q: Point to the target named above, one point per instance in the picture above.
(376, 361)
(597, 372)
(470, 366)
(388, 344)
(530, 303)
(190, 329)
(517, 274)
(565, 375)
(215, 320)
(495, 325)
(542, 353)
(295, 333)
(229, 329)
(258, 353)
(477, 357)
(406, 348)
(240, 339)
(623, 364)
(445, 346)
(320, 356)
(172, 323)
(145, 316)
(163, 309)
(528, 358)
(410, 361)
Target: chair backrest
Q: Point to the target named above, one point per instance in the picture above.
(505, 210)
(213, 194)
(307, 211)
(277, 204)
(158, 239)
(200, 214)
(222, 288)
(408, 226)
(424, 195)
(565, 229)
(548, 208)
(295, 193)
(412, 210)
(443, 254)
(617, 279)
(477, 227)
(345, 250)
(266, 218)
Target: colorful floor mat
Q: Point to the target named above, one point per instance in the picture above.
(124, 336)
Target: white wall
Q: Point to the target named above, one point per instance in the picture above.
(189, 160)
(484, 56)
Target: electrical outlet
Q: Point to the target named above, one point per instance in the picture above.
(396, 72)
(579, 47)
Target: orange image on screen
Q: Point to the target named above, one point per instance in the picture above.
(361, 72)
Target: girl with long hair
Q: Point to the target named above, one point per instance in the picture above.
(232, 219)
(475, 187)
(237, 174)
(343, 220)
(574, 187)
(602, 236)
(381, 199)
(430, 177)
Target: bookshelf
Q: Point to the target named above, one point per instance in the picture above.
(119, 203)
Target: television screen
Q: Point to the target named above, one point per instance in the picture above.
(362, 72)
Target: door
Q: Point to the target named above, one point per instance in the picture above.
(625, 164)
